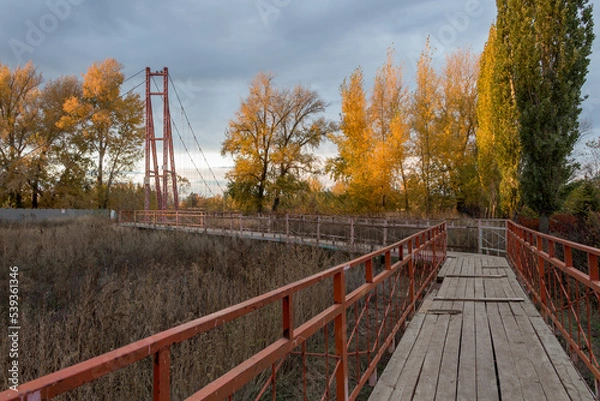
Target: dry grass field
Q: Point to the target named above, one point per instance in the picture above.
(89, 286)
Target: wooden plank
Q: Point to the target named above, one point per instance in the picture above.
(430, 372)
(395, 366)
(481, 299)
(477, 276)
(467, 371)
(444, 311)
(447, 267)
(510, 387)
(407, 382)
(448, 379)
(487, 387)
(570, 378)
(513, 286)
(530, 383)
(549, 379)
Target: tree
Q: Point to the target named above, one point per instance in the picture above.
(19, 129)
(458, 127)
(270, 139)
(388, 114)
(549, 43)
(372, 141)
(426, 138)
(59, 177)
(107, 124)
(498, 143)
(353, 141)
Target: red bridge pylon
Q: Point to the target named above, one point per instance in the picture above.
(167, 175)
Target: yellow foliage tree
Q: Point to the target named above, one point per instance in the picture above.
(458, 126)
(372, 141)
(20, 137)
(107, 124)
(427, 141)
(270, 139)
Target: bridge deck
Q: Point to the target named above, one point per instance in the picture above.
(479, 338)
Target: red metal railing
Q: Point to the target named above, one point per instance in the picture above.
(373, 296)
(563, 279)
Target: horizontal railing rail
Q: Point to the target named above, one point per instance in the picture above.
(373, 297)
(563, 279)
(355, 233)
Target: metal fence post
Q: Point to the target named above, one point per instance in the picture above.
(341, 336)
(479, 236)
(162, 367)
(541, 273)
(411, 274)
(352, 233)
(385, 231)
(318, 229)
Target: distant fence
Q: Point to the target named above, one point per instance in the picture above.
(335, 352)
(38, 215)
(352, 232)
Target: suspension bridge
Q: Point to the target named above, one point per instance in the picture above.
(407, 318)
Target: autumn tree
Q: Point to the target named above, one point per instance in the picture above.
(19, 130)
(107, 124)
(270, 139)
(549, 43)
(372, 139)
(59, 176)
(353, 141)
(390, 130)
(458, 124)
(426, 137)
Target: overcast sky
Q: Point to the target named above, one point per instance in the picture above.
(213, 48)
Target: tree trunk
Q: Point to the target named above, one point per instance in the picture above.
(34, 195)
(276, 203)
(544, 223)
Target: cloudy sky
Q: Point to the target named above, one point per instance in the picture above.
(213, 48)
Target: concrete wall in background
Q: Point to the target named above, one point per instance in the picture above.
(16, 215)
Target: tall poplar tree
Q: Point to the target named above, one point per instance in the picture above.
(549, 43)
(426, 137)
(498, 142)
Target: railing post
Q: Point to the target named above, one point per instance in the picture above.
(288, 317)
(433, 249)
(341, 336)
(479, 236)
(385, 232)
(162, 372)
(411, 274)
(318, 229)
(541, 272)
(352, 233)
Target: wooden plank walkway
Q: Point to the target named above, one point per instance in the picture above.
(478, 337)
